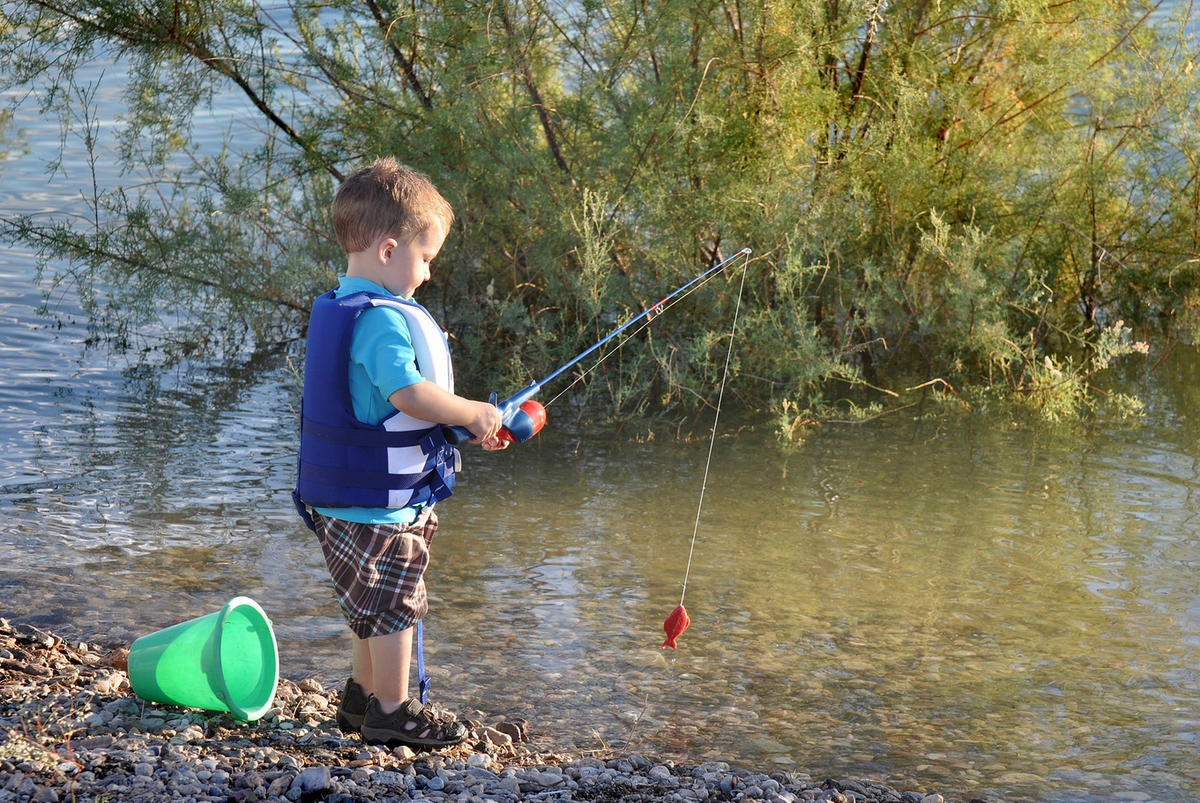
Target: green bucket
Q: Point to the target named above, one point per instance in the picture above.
(225, 661)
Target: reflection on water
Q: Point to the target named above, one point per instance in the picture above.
(955, 605)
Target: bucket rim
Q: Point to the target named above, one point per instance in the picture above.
(235, 708)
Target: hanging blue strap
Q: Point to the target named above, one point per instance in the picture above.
(422, 678)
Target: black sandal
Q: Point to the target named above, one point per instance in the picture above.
(411, 725)
(352, 708)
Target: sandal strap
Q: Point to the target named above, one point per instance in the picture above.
(423, 722)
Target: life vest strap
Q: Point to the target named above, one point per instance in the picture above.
(366, 438)
(376, 480)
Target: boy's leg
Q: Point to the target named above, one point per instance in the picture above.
(353, 705)
(390, 659)
(360, 665)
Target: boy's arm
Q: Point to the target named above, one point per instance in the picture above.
(427, 401)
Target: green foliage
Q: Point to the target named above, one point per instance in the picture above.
(970, 194)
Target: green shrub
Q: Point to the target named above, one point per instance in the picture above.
(954, 195)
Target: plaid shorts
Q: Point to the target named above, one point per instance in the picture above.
(378, 570)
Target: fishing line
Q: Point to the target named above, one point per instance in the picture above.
(513, 408)
(713, 439)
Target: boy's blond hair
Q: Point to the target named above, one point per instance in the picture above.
(386, 198)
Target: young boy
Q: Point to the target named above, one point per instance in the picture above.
(373, 460)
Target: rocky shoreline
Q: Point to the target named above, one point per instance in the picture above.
(71, 729)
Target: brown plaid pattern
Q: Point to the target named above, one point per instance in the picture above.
(378, 570)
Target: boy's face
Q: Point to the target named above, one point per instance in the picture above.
(406, 265)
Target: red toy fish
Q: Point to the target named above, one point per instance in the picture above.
(676, 623)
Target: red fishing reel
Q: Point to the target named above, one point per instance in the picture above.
(522, 423)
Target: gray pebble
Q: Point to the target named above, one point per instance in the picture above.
(387, 778)
(549, 780)
(279, 785)
(312, 780)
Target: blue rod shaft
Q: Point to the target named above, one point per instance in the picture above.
(648, 312)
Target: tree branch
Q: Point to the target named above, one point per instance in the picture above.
(410, 73)
(536, 96)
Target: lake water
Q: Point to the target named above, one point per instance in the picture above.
(951, 604)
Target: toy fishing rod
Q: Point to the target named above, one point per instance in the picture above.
(522, 417)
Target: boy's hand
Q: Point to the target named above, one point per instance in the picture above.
(494, 444)
(485, 422)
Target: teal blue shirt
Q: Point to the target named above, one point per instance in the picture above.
(381, 362)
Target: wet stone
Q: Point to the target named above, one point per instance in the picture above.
(516, 730)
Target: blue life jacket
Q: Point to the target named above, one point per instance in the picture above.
(401, 462)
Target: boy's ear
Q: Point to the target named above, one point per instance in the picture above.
(387, 247)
